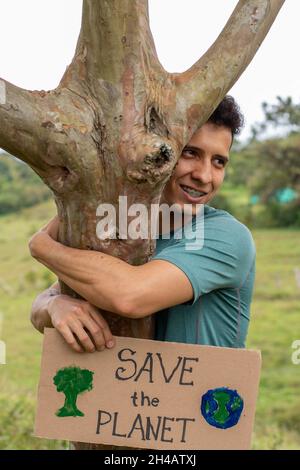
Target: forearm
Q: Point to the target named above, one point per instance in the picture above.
(99, 278)
(40, 317)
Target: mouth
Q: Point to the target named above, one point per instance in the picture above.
(192, 194)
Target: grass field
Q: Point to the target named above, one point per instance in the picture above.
(275, 325)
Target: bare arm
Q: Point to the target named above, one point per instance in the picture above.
(112, 284)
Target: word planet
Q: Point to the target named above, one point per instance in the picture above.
(222, 407)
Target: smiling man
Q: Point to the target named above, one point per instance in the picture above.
(201, 169)
(202, 296)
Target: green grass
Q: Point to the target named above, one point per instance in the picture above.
(20, 280)
(274, 326)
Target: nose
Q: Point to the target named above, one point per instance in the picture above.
(203, 172)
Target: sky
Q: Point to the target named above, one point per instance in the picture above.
(38, 39)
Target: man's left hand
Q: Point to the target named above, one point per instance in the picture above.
(45, 235)
(51, 228)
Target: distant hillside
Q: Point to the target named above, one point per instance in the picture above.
(19, 186)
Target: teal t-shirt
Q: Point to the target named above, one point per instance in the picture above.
(221, 273)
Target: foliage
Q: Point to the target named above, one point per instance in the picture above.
(277, 166)
(267, 166)
(16, 415)
(79, 379)
(220, 201)
(19, 185)
(72, 381)
(283, 114)
(275, 215)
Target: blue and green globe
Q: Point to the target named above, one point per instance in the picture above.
(222, 407)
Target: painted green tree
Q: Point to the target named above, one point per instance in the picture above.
(72, 381)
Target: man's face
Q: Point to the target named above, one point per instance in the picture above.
(201, 168)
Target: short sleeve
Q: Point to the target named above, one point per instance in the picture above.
(224, 261)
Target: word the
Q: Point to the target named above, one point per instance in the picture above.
(143, 400)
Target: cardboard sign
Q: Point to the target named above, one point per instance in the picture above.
(148, 394)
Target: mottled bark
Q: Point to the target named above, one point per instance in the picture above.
(117, 122)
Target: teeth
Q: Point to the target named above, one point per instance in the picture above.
(192, 192)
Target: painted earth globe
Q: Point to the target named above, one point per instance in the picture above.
(222, 407)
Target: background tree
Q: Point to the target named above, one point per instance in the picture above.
(283, 115)
(277, 166)
(268, 166)
(72, 381)
(19, 186)
(276, 176)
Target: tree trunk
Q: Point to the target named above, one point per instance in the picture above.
(70, 406)
(117, 122)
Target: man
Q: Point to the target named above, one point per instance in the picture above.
(203, 296)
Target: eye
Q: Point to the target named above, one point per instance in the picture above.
(188, 152)
(220, 162)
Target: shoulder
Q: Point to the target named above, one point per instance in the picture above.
(222, 227)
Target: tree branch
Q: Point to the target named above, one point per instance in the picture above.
(27, 119)
(42, 129)
(19, 113)
(119, 26)
(201, 88)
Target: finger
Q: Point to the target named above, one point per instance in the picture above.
(95, 330)
(85, 341)
(54, 221)
(108, 337)
(51, 228)
(69, 338)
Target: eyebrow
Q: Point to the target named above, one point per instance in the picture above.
(196, 149)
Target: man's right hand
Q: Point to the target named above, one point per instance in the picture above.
(80, 324)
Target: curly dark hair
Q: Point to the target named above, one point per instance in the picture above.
(228, 114)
